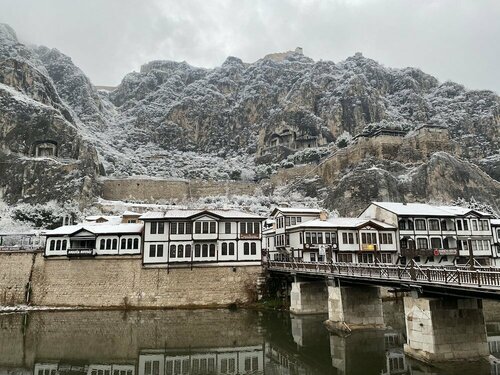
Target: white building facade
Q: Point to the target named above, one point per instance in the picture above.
(437, 234)
(188, 237)
(90, 240)
(315, 238)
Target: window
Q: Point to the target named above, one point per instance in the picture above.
(301, 239)
(344, 258)
(205, 226)
(385, 238)
(402, 225)
(58, 245)
(102, 245)
(433, 224)
(231, 248)
(474, 225)
(213, 226)
(293, 220)
(246, 248)
(136, 243)
(308, 237)
(466, 224)
(65, 244)
(436, 243)
(299, 219)
(313, 257)
(187, 251)
(197, 251)
(328, 238)
(124, 243)
(108, 243)
(243, 228)
(173, 252)
(365, 258)
(153, 227)
(422, 243)
(444, 225)
(483, 225)
(204, 250)
(368, 238)
(173, 228)
(155, 251)
(253, 248)
(459, 224)
(348, 238)
(212, 250)
(161, 227)
(420, 224)
(180, 251)
(385, 258)
(224, 248)
(129, 243)
(52, 245)
(227, 228)
(189, 227)
(197, 227)
(180, 227)
(115, 244)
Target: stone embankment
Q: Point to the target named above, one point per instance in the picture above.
(120, 283)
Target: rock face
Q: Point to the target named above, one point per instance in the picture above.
(42, 152)
(241, 120)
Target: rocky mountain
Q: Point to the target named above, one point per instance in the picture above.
(58, 133)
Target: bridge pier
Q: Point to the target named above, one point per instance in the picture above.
(444, 329)
(354, 307)
(309, 297)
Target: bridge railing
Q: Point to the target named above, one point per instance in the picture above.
(487, 276)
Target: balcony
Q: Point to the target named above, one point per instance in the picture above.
(411, 253)
(80, 253)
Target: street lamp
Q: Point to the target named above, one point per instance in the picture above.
(471, 255)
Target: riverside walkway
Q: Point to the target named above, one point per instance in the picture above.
(460, 281)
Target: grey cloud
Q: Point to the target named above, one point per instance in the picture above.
(452, 39)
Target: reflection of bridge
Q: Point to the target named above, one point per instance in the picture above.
(437, 329)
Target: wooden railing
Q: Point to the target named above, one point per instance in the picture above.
(412, 272)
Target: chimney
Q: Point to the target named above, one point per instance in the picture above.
(323, 215)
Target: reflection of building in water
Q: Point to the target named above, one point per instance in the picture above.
(280, 362)
(242, 360)
(396, 362)
(83, 369)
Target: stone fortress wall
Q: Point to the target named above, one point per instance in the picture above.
(153, 190)
(415, 147)
(120, 282)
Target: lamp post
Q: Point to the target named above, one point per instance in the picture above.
(471, 255)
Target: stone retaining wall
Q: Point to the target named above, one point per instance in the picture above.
(14, 276)
(121, 283)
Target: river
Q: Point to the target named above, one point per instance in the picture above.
(167, 342)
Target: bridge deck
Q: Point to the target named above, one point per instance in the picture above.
(452, 280)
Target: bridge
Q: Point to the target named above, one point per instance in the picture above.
(442, 304)
(459, 281)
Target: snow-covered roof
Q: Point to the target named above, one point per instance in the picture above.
(109, 219)
(131, 213)
(185, 214)
(415, 209)
(296, 210)
(96, 229)
(495, 222)
(341, 222)
(461, 211)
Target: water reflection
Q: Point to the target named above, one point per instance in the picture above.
(205, 342)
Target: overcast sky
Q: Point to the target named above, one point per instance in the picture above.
(451, 39)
